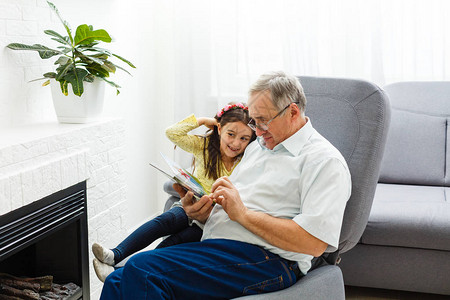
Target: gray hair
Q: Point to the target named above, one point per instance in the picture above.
(283, 89)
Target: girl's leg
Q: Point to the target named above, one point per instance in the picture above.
(170, 222)
(190, 234)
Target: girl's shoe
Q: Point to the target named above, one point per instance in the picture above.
(103, 255)
(102, 270)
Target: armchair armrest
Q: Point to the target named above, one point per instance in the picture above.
(173, 195)
(169, 189)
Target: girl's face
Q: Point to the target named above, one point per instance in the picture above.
(234, 138)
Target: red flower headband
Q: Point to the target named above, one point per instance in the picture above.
(229, 107)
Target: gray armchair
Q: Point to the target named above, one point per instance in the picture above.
(354, 116)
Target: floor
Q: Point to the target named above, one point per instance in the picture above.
(358, 293)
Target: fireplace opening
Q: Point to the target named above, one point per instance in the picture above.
(49, 238)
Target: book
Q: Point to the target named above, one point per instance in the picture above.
(182, 177)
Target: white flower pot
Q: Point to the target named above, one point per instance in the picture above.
(74, 109)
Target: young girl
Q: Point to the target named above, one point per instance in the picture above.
(215, 155)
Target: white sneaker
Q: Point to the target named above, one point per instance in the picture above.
(102, 270)
(102, 254)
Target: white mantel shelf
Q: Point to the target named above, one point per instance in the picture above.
(40, 159)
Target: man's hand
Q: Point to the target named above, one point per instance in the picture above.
(226, 195)
(276, 231)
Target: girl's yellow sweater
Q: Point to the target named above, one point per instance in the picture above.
(179, 134)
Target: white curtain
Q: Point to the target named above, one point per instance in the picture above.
(220, 47)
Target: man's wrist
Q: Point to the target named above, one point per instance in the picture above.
(244, 217)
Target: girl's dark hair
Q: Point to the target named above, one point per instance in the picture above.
(211, 151)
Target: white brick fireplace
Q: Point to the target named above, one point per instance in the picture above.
(38, 160)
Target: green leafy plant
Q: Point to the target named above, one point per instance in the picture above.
(80, 59)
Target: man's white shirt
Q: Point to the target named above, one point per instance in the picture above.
(304, 178)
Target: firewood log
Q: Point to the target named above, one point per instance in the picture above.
(22, 294)
(6, 297)
(43, 283)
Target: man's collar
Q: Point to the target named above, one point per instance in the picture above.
(295, 142)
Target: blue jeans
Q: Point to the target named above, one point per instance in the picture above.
(211, 269)
(173, 222)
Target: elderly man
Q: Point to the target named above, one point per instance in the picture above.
(283, 205)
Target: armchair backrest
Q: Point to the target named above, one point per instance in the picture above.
(354, 116)
(416, 148)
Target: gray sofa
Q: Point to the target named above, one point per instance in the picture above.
(406, 244)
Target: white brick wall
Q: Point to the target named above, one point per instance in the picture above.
(38, 161)
(10, 11)
(28, 103)
(22, 102)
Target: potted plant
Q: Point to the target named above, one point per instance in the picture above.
(79, 61)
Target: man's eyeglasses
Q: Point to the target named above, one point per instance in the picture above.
(265, 126)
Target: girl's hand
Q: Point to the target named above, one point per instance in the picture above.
(208, 122)
(179, 189)
(197, 210)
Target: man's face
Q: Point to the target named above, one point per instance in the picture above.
(262, 110)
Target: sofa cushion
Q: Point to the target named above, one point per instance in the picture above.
(415, 149)
(447, 168)
(409, 216)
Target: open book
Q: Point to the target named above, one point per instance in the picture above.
(182, 177)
